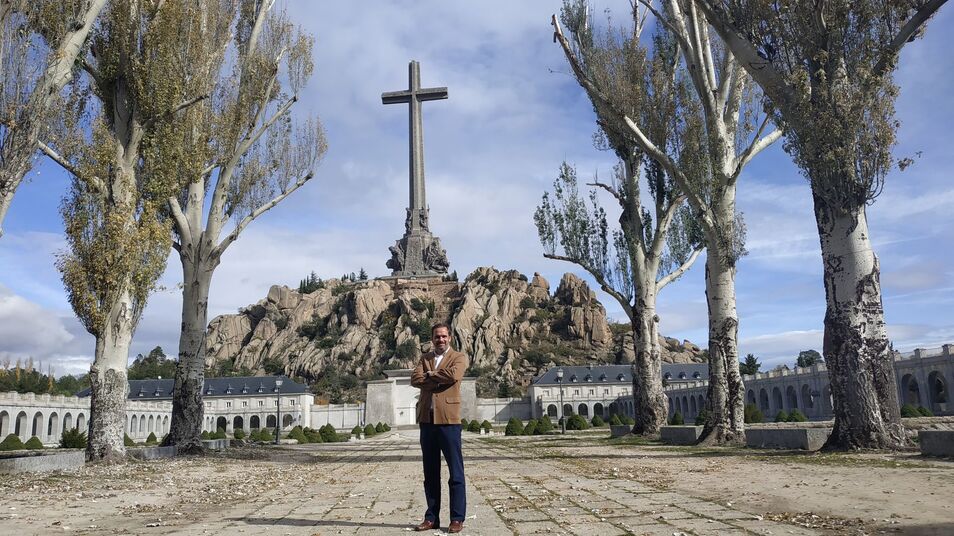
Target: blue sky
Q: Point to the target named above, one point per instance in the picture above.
(514, 114)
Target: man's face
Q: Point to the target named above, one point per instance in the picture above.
(441, 338)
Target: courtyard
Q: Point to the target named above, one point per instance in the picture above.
(578, 484)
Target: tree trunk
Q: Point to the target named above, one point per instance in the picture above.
(649, 401)
(860, 369)
(109, 388)
(725, 424)
(187, 406)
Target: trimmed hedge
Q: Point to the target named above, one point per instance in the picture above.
(514, 427)
(924, 412)
(239, 434)
(33, 443)
(677, 419)
(152, 439)
(379, 428)
(73, 439)
(614, 420)
(486, 426)
(127, 441)
(368, 430)
(753, 414)
(701, 417)
(597, 421)
(530, 428)
(576, 422)
(11, 442)
(356, 431)
(781, 416)
(545, 425)
(474, 426)
(797, 416)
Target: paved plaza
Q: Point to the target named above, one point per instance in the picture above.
(514, 486)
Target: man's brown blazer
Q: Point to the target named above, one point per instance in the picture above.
(443, 387)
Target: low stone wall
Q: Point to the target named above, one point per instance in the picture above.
(502, 409)
(680, 435)
(215, 444)
(804, 438)
(620, 430)
(152, 453)
(936, 442)
(61, 461)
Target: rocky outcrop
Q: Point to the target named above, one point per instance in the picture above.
(509, 326)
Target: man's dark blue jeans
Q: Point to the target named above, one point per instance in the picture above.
(437, 439)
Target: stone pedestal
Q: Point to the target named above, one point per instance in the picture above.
(418, 253)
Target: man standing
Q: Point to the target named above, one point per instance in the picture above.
(438, 375)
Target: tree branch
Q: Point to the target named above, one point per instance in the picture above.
(907, 32)
(608, 188)
(220, 249)
(95, 183)
(677, 273)
(618, 296)
(174, 111)
(181, 223)
(254, 137)
(758, 144)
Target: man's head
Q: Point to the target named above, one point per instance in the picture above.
(440, 337)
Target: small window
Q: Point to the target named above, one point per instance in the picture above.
(245, 403)
(667, 376)
(261, 403)
(621, 377)
(696, 375)
(292, 401)
(606, 391)
(576, 391)
(228, 404)
(592, 391)
(588, 378)
(682, 375)
(602, 377)
(573, 378)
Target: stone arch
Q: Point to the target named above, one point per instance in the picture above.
(598, 409)
(255, 422)
(222, 423)
(133, 424)
(750, 396)
(238, 423)
(53, 426)
(4, 423)
(67, 421)
(827, 401)
(613, 409)
(583, 410)
(937, 388)
(777, 399)
(287, 420)
(165, 424)
(791, 397)
(152, 424)
(763, 400)
(552, 411)
(37, 425)
(692, 406)
(702, 403)
(142, 424)
(20, 426)
(567, 410)
(81, 422)
(808, 401)
(910, 390)
(270, 421)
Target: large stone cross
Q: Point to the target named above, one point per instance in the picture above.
(415, 95)
(418, 253)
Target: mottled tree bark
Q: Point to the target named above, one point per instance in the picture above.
(109, 388)
(725, 398)
(860, 370)
(649, 400)
(187, 407)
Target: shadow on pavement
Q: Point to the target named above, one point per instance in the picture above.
(295, 522)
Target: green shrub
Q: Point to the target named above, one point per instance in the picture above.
(127, 441)
(11, 442)
(576, 422)
(530, 428)
(677, 419)
(33, 443)
(924, 412)
(474, 426)
(628, 421)
(597, 421)
(314, 436)
(701, 417)
(299, 435)
(797, 416)
(464, 423)
(753, 414)
(330, 435)
(379, 428)
(545, 425)
(239, 434)
(369, 430)
(152, 439)
(614, 420)
(514, 427)
(908, 410)
(387, 427)
(356, 431)
(219, 434)
(781, 416)
(486, 426)
(73, 439)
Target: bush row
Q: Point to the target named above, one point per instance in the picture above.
(476, 426)
(371, 429)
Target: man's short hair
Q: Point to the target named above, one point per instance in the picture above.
(440, 325)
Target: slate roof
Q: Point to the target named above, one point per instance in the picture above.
(231, 387)
(621, 374)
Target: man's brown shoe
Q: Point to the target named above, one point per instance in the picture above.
(455, 526)
(427, 525)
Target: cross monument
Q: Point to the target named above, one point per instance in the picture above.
(418, 252)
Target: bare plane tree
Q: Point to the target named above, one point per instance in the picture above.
(827, 69)
(256, 157)
(33, 73)
(718, 101)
